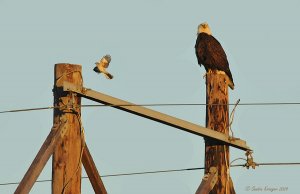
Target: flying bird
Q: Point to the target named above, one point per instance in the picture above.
(210, 53)
(102, 65)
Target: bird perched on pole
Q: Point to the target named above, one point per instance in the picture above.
(102, 65)
(210, 53)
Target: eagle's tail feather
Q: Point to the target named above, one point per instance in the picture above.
(230, 80)
(231, 84)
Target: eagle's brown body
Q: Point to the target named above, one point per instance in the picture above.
(212, 56)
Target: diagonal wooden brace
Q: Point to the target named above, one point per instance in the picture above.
(92, 172)
(208, 182)
(39, 162)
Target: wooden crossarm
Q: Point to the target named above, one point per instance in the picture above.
(156, 116)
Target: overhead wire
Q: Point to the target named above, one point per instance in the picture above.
(159, 104)
(166, 171)
(269, 164)
(155, 104)
(26, 109)
(117, 175)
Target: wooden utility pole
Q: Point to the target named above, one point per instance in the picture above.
(66, 162)
(217, 118)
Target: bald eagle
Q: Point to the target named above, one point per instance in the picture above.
(210, 53)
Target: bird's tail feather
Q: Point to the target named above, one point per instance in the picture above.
(230, 84)
(108, 75)
(230, 79)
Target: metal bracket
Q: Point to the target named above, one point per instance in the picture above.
(208, 181)
(250, 160)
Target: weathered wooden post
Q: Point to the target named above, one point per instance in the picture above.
(66, 162)
(217, 118)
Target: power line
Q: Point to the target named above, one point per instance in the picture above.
(158, 104)
(279, 164)
(152, 172)
(117, 175)
(164, 171)
(269, 164)
(202, 104)
(26, 109)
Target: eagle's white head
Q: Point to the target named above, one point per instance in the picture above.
(204, 28)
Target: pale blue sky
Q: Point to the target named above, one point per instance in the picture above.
(153, 61)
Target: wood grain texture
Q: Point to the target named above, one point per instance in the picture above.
(217, 118)
(92, 172)
(208, 181)
(66, 162)
(55, 136)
